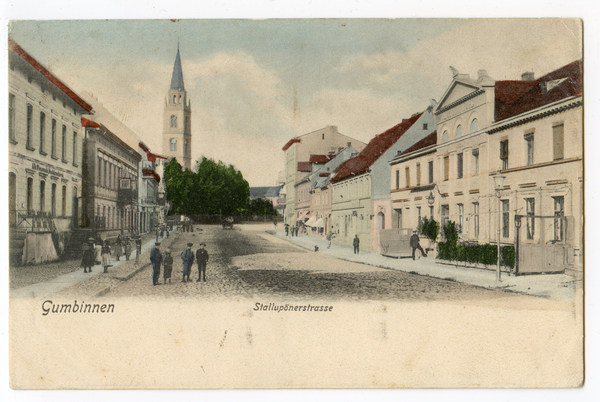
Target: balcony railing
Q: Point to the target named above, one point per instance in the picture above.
(35, 221)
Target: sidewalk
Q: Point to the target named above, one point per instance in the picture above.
(555, 286)
(120, 270)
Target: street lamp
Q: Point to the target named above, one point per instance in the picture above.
(499, 186)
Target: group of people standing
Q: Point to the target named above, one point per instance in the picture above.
(97, 251)
(187, 260)
(293, 230)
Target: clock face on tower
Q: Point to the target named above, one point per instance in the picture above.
(177, 135)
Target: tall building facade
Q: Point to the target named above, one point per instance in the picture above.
(177, 119)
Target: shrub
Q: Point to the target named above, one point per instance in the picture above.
(430, 229)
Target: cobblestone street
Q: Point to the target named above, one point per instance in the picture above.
(249, 264)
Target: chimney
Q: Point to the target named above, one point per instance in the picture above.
(528, 76)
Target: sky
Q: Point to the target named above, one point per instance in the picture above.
(254, 84)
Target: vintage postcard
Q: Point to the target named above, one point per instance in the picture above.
(296, 203)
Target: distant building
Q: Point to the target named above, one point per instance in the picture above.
(361, 194)
(45, 150)
(326, 141)
(150, 204)
(177, 119)
(271, 193)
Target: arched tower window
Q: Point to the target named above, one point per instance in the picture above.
(179, 98)
(445, 136)
(459, 132)
(474, 126)
(174, 99)
(172, 145)
(173, 121)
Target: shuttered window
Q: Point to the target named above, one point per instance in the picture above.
(558, 141)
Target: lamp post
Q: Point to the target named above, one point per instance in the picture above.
(499, 186)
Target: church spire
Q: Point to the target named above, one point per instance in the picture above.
(177, 77)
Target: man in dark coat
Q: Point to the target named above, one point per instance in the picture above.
(155, 259)
(356, 243)
(414, 243)
(167, 266)
(187, 259)
(202, 259)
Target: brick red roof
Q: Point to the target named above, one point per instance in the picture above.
(88, 123)
(431, 139)
(290, 143)
(151, 157)
(321, 158)
(35, 64)
(374, 149)
(516, 97)
(304, 167)
(323, 174)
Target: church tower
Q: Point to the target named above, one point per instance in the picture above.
(177, 120)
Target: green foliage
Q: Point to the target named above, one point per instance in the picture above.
(213, 189)
(430, 229)
(261, 207)
(486, 254)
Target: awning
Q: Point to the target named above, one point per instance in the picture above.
(319, 223)
(311, 222)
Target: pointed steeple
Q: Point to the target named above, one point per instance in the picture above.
(177, 77)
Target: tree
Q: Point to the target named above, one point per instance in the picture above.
(261, 207)
(213, 189)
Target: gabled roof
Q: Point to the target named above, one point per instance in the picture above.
(516, 97)
(304, 167)
(35, 64)
(265, 192)
(290, 143)
(321, 158)
(374, 149)
(177, 77)
(431, 139)
(89, 123)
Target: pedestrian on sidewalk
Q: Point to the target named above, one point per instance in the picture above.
(138, 247)
(287, 229)
(187, 258)
(356, 244)
(202, 259)
(118, 251)
(127, 243)
(414, 243)
(155, 259)
(106, 252)
(97, 244)
(167, 266)
(87, 260)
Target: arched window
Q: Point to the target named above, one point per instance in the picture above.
(172, 145)
(459, 132)
(173, 121)
(174, 99)
(474, 126)
(445, 136)
(380, 220)
(42, 195)
(179, 98)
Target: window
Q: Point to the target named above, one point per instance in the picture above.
(424, 126)
(397, 179)
(172, 145)
(459, 131)
(64, 143)
(322, 136)
(559, 211)
(29, 126)
(174, 99)
(42, 196)
(475, 162)
(110, 176)
(99, 170)
(75, 148)
(64, 200)
(53, 200)
(29, 195)
(459, 165)
(419, 219)
(104, 173)
(445, 215)
(42, 132)
(407, 173)
(505, 220)
(445, 136)
(173, 121)
(504, 153)
(446, 167)
(474, 126)
(11, 117)
(530, 222)
(53, 139)
(418, 174)
(461, 212)
(529, 147)
(476, 220)
(558, 141)
(430, 172)
(431, 212)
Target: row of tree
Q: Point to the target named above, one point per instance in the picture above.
(212, 189)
